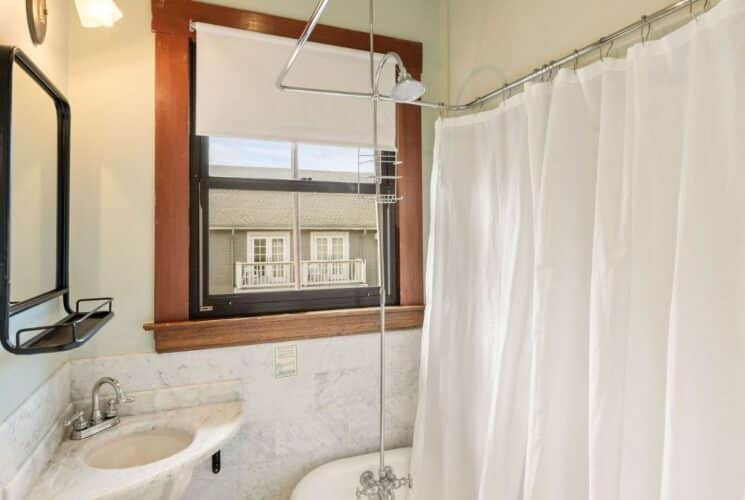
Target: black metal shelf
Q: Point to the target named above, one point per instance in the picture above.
(71, 332)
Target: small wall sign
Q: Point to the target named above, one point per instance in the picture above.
(285, 361)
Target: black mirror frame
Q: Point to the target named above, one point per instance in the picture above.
(9, 57)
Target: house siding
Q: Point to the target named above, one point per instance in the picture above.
(228, 246)
(221, 271)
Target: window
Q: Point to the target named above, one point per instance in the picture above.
(330, 261)
(178, 265)
(268, 263)
(279, 226)
(329, 246)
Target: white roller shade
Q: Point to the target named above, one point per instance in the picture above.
(237, 96)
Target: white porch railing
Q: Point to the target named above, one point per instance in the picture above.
(313, 273)
(332, 272)
(264, 274)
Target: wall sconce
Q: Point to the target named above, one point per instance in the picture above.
(36, 14)
(98, 13)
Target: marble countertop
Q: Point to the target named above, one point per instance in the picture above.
(68, 477)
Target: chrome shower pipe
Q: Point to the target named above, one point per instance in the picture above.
(595, 47)
(379, 71)
(379, 215)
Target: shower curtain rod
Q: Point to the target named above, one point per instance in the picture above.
(643, 25)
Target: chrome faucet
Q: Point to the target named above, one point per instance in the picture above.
(98, 421)
(382, 487)
(96, 415)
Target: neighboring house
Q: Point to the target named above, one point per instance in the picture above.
(252, 248)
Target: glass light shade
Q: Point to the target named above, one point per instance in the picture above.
(98, 13)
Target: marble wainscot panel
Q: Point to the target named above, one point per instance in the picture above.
(191, 435)
(31, 434)
(167, 398)
(290, 425)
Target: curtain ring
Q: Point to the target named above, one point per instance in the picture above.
(646, 25)
(505, 93)
(600, 52)
(576, 59)
(691, 10)
(610, 47)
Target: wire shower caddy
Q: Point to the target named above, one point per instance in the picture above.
(386, 167)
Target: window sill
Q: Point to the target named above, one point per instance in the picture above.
(205, 334)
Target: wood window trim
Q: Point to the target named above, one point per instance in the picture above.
(170, 23)
(176, 336)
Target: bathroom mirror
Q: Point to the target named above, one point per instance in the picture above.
(34, 185)
(34, 212)
(33, 189)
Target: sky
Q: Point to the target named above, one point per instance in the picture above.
(227, 151)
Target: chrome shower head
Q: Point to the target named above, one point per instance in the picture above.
(407, 89)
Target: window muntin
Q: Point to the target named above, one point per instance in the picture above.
(259, 250)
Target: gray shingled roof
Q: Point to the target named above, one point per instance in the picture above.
(273, 210)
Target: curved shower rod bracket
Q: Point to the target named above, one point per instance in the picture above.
(305, 36)
(644, 23)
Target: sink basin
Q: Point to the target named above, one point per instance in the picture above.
(139, 448)
(146, 457)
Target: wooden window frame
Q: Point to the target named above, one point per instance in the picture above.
(172, 328)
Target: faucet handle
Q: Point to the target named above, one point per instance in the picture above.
(112, 405)
(77, 420)
(122, 397)
(112, 408)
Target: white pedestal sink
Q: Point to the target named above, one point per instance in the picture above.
(145, 457)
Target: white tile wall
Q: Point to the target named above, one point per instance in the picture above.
(168, 398)
(291, 425)
(29, 436)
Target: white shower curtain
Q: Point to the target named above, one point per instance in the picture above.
(585, 327)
